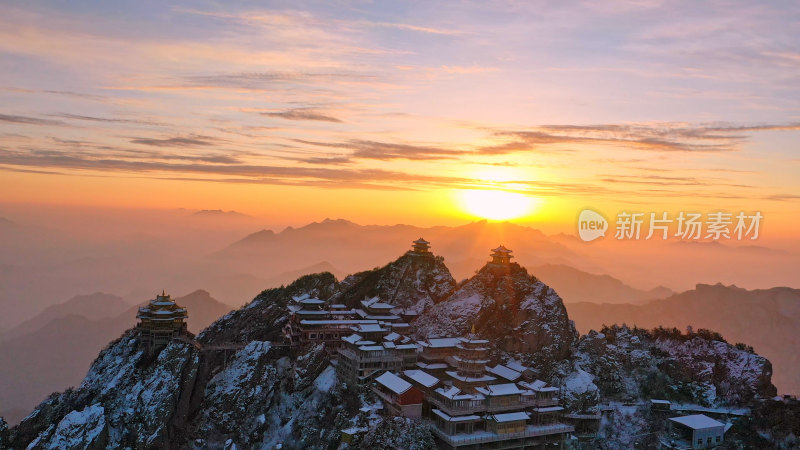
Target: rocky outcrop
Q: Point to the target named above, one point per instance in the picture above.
(126, 398)
(263, 318)
(412, 282)
(628, 364)
(507, 305)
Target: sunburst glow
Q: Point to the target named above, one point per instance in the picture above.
(497, 205)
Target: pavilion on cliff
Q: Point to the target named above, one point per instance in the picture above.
(422, 247)
(161, 321)
(501, 255)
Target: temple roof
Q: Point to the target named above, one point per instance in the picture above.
(501, 249)
(162, 308)
(421, 241)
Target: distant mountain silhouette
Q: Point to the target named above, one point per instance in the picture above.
(218, 213)
(767, 319)
(575, 285)
(58, 354)
(93, 307)
(351, 247)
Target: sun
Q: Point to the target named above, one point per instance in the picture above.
(497, 205)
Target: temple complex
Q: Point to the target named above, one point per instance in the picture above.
(472, 405)
(161, 321)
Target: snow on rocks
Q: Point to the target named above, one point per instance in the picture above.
(507, 305)
(79, 430)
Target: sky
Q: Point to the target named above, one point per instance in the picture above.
(393, 112)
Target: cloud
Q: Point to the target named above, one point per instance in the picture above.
(384, 151)
(410, 27)
(28, 120)
(302, 114)
(234, 173)
(179, 141)
(55, 92)
(664, 137)
(105, 119)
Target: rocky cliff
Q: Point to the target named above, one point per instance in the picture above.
(514, 309)
(412, 282)
(625, 364)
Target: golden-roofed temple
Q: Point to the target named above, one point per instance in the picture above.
(161, 321)
(422, 247)
(501, 255)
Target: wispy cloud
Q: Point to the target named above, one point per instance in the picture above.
(26, 120)
(302, 114)
(178, 141)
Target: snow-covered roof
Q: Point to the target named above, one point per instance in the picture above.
(538, 386)
(454, 393)
(499, 389)
(311, 301)
(472, 339)
(456, 418)
(338, 322)
(376, 317)
(482, 379)
(392, 337)
(421, 377)
(510, 417)
(406, 346)
(697, 422)
(370, 327)
(338, 306)
(380, 306)
(353, 338)
(393, 383)
(421, 241)
(549, 409)
(514, 365)
(504, 372)
(659, 402)
(432, 366)
(473, 361)
(370, 348)
(441, 342)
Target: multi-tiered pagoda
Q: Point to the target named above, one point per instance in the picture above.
(421, 247)
(161, 321)
(501, 256)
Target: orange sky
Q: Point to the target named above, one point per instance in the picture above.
(388, 113)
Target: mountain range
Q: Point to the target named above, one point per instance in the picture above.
(766, 319)
(260, 397)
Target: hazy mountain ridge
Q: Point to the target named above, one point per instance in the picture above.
(767, 319)
(92, 307)
(58, 354)
(575, 285)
